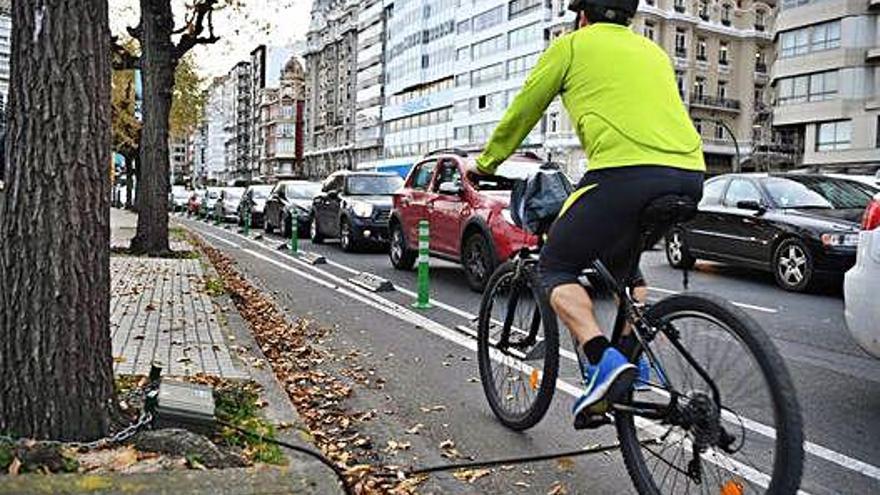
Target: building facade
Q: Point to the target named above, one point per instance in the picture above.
(266, 64)
(215, 132)
(369, 83)
(827, 81)
(281, 124)
(5, 49)
(331, 68)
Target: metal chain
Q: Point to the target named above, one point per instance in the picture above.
(144, 419)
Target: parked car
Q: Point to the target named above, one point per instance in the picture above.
(289, 199)
(209, 201)
(862, 284)
(227, 203)
(354, 207)
(468, 214)
(178, 198)
(253, 202)
(802, 227)
(195, 201)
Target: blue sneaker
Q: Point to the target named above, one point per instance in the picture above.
(644, 378)
(608, 380)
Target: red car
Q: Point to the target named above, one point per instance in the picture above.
(469, 219)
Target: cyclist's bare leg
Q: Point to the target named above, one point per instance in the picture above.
(573, 305)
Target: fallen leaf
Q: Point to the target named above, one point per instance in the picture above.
(118, 359)
(522, 484)
(565, 464)
(470, 475)
(557, 489)
(415, 429)
(433, 408)
(124, 458)
(447, 444)
(14, 467)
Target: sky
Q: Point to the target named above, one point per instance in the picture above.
(270, 22)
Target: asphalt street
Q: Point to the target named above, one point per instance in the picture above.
(428, 359)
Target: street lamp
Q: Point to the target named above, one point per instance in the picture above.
(738, 163)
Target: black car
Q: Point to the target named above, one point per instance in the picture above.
(289, 199)
(802, 227)
(354, 207)
(253, 203)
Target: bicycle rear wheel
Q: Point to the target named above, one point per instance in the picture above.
(751, 443)
(518, 347)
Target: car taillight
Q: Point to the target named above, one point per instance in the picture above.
(871, 218)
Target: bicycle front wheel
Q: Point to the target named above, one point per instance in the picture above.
(734, 426)
(518, 347)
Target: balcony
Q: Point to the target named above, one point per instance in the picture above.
(680, 52)
(760, 27)
(873, 55)
(679, 8)
(701, 57)
(726, 22)
(704, 16)
(715, 103)
(760, 67)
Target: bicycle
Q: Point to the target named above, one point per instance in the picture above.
(686, 423)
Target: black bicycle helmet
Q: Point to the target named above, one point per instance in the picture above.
(626, 6)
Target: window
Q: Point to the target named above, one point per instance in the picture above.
(525, 34)
(722, 89)
(553, 122)
(719, 131)
(422, 175)
(725, 14)
(832, 136)
(704, 10)
(464, 26)
(522, 7)
(759, 19)
(699, 86)
(701, 49)
(521, 65)
(488, 47)
(698, 125)
(449, 172)
(488, 19)
(712, 191)
(824, 36)
(820, 86)
(723, 50)
(741, 190)
(648, 30)
(680, 42)
(487, 74)
(679, 80)
(679, 5)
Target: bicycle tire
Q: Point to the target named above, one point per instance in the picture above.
(544, 395)
(789, 454)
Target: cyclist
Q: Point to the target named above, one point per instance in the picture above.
(620, 92)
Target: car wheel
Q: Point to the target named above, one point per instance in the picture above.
(677, 253)
(793, 265)
(479, 264)
(402, 258)
(346, 237)
(316, 235)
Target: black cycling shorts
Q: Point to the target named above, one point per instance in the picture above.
(601, 221)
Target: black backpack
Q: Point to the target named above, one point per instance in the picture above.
(535, 202)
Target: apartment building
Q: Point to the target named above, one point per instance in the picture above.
(331, 68)
(827, 81)
(5, 48)
(419, 79)
(178, 154)
(370, 91)
(498, 42)
(212, 169)
(281, 123)
(267, 64)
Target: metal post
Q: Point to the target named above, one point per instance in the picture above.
(294, 232)
(424, 295)
(738, 164)
(247, 223)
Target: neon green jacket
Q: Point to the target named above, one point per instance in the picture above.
(620, 92)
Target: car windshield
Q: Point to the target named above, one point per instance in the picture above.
(304, 191)
(261, 192)
(213, 194)
(234, 193)
(366, 185)
(817, 192)
(505, 176)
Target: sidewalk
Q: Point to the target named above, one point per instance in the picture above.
(160, 311)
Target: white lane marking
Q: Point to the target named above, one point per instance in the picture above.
(824, 453)
(762, 309)
(229, 243)
(400, 312)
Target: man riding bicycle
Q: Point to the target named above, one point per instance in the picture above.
(620, 92)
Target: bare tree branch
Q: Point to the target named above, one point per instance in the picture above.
(195, 27)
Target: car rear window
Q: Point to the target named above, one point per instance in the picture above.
(817, 192)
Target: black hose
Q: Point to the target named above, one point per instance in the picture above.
(312, 453)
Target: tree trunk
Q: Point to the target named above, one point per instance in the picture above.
(158, 62)
(130, 159)
(56, 374)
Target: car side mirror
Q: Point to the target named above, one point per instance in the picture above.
(450, 188)
(751, 204)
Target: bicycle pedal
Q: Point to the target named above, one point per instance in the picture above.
(587, 420)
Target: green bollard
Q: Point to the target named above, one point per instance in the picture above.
(294, 233)
(424, 295)
(247, 223)
(216, 218)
